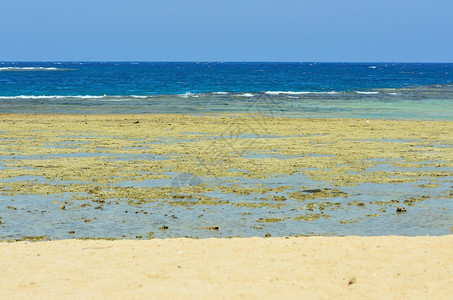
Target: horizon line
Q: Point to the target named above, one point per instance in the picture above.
(230, 61)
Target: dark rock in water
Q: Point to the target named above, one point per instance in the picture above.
(163, 227)
(400, 210)
(279, 198)
(211, 228)
(136, 122)
(267, 235)
(312, 191)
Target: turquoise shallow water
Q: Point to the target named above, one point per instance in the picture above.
(33, 215)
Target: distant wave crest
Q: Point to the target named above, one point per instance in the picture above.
(445, 90)
(298, 93)
(28, 69)
(367, 93)
(289, 94)
(247, 95)
(189, 94)
(50, 97)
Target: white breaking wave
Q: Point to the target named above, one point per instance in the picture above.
(372, 67)
(19, 69)
(139, 96)
(393, 94)
(248, 95)
(189, 94)
(104, 97)
(50, 97)
(298, 93)
(74, 97)
(368, 93)
(221, 93)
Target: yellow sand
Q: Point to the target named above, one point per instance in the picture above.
(278, 268)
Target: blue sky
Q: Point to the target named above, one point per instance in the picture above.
(229, 30)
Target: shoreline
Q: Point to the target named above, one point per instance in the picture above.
(315, 267)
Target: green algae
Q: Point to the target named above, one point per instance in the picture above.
(372, 215)
(33, 239)
(357, 203)
(65, 155)
(429, 186)
(311, 217)
(258, 204)
(413, 200)
(350, 221)
(98, 238)
(317, 194)
(270, 220)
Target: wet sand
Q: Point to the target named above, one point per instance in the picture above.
(315, 267)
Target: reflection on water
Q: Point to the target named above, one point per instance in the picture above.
(368, 209)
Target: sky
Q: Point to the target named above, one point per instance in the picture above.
(228, 30)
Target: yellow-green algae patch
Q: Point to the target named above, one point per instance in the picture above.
(311, 217)
(108, 158)
(317, 194)
(340, 150)
(270, 220)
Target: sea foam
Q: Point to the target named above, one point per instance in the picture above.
(247, 95)
(42, 97)
(27, 69)
(367, 93)
(298, 93)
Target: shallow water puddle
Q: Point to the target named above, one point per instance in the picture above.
(117, 179)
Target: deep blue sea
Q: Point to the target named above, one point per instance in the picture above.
(366, 90)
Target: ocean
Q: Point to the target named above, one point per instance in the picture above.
(359, 90)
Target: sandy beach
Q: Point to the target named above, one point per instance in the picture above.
(316, 267)
(66, 178)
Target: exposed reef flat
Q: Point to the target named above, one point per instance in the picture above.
(132, 175)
